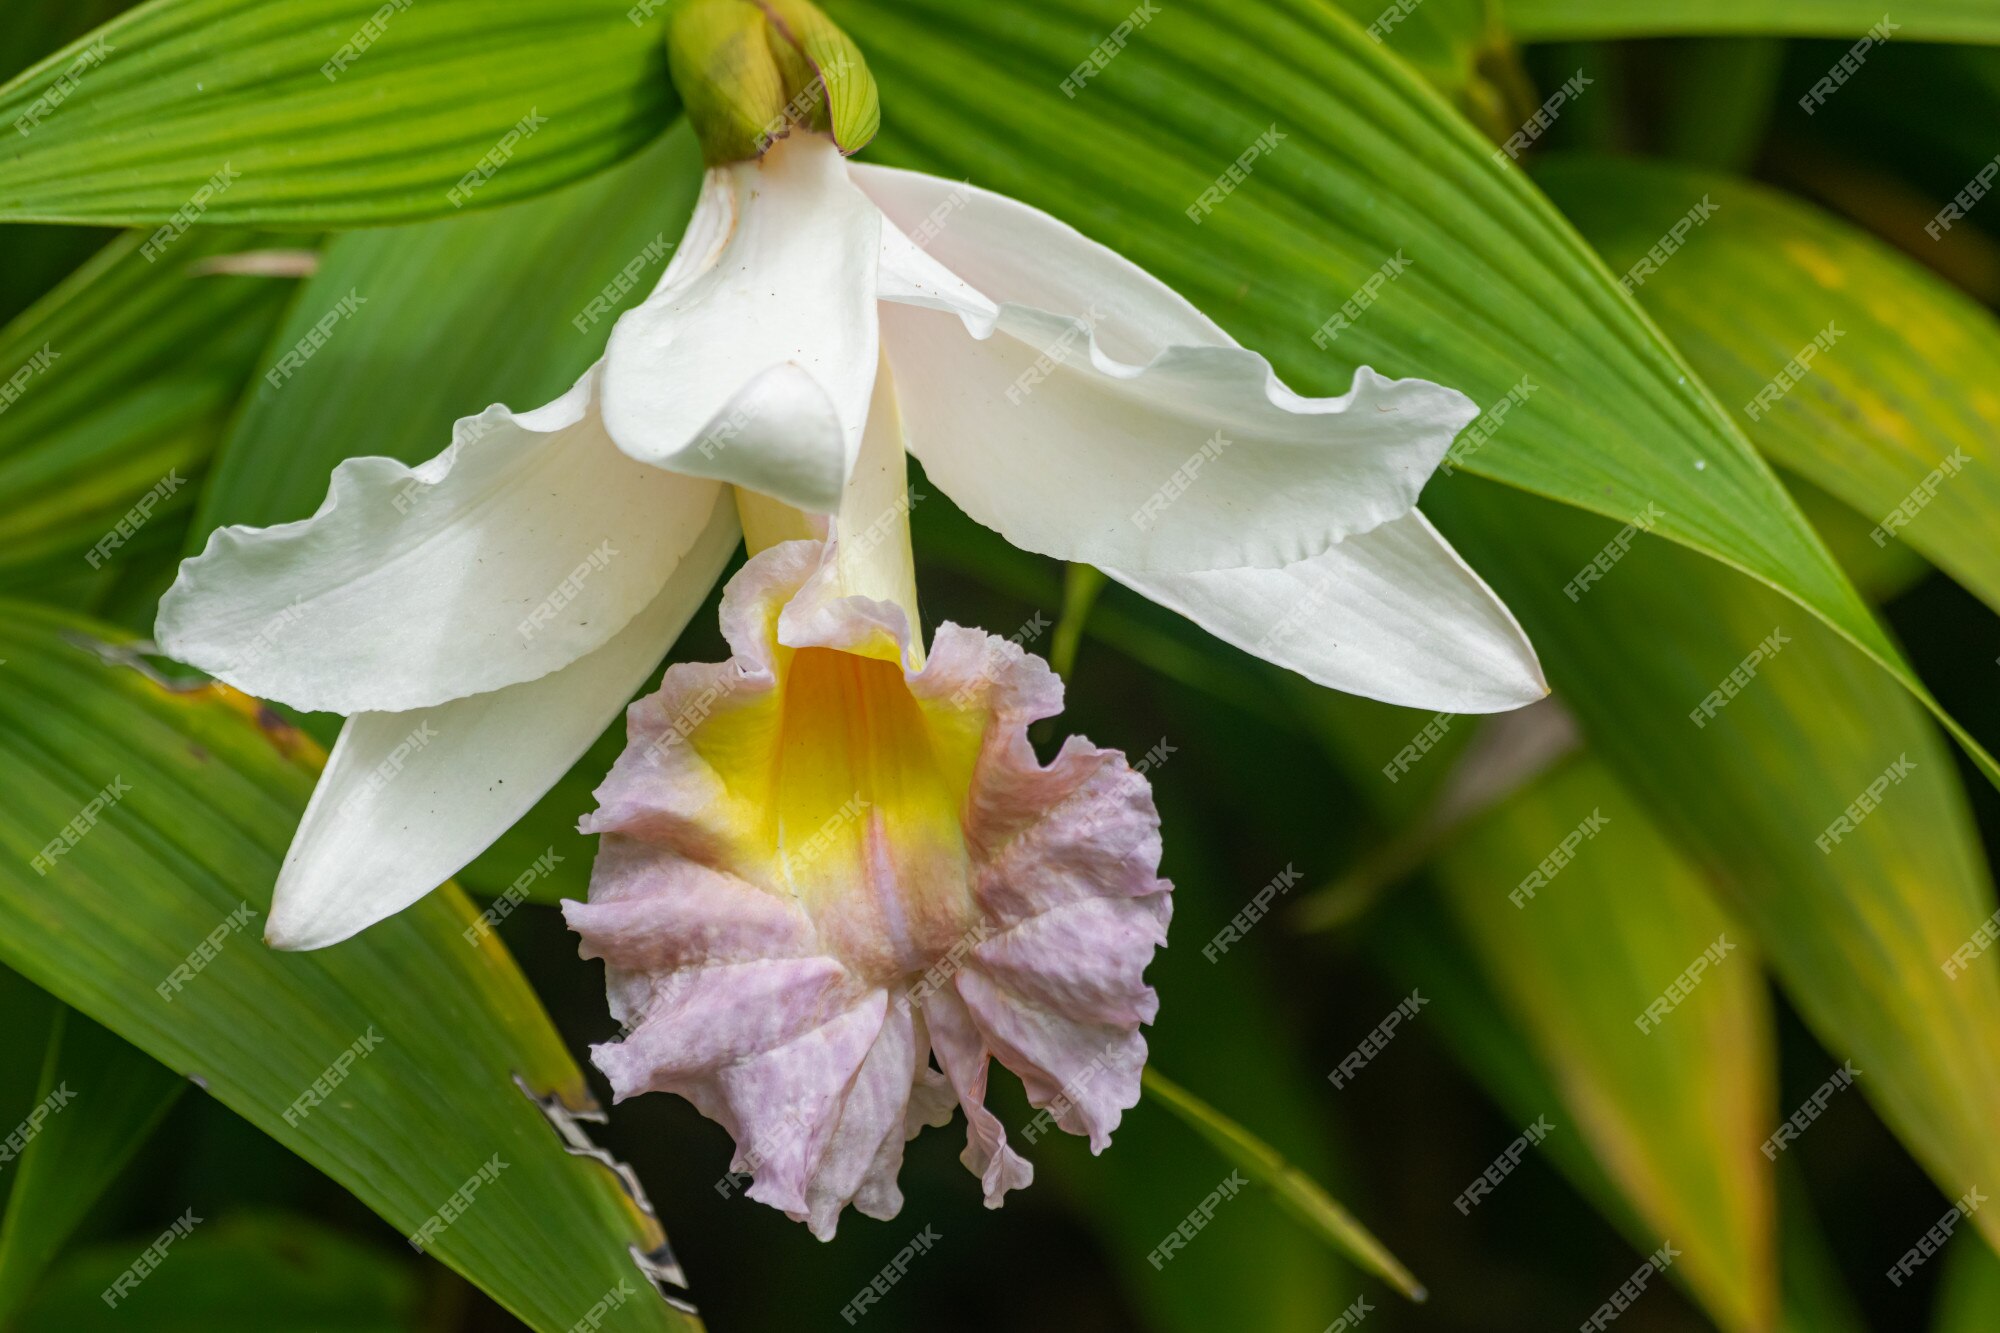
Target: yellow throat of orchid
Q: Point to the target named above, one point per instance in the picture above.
(844, 788)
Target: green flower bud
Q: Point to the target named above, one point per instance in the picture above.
(750, 72)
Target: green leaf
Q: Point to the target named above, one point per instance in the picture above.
(1081, 586)
(1462, 49)
(37, 27)
(1969, 1296)
(38, 256)
(1658, 1126)
(1255, 1268)
(1672, 1095)
(1439, 40)
(1816, 1297)
(24, 1050)
(1416, 940)
(250, 1273)
(1892, 140)
(1295, 1191)
(1917, 20)
(1719, 94)
(1857, 921)
(161, 817)
(323, 113)
(1373, 165)
(103, 1098)
(133, 369)
(1880, 572)
(1897, 415)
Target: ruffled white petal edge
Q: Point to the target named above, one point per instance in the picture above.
(526, 545)
(1093, 415)
(407, 799)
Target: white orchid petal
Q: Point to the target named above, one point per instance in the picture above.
(872, 555)
(753, 359)
(1094, 415)
(526, 545)
(1009, 253)
(408, 798)
(1394, 614)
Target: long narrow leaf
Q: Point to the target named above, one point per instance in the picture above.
(1883, 420)
(1299, 1194)
(328, 112)
(133, 366)
(1921, 20)
(144, 829)
(1670, 1087)
(1812, 793)
(248, 1273)
(103, 1098)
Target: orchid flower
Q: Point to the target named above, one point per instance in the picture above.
(481, 617)
(836, 854)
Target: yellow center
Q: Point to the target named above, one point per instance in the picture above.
(848, 791)
(844, 790)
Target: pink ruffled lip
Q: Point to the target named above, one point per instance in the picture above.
(799, 1000)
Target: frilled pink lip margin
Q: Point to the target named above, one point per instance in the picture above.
(731, 999)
